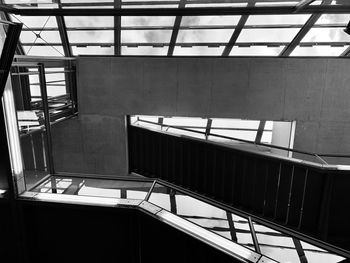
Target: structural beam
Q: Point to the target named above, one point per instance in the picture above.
(196, 11)
(176, 29)
(200, 44)
(303, 4)
(183, 27)
(117, 29)
(63, 34)
(346, 52)
(302, 33)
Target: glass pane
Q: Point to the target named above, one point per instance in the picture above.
(106, 36)
(204, 35)
(316, 255)
(145, 36)
(198, 51)
(256, 51)
(144, 51)
(47, 36)
(89, 21)
(44, 50)
(92, 50)
(187, 133)
(209, 20)
(35, 21)
(267, 35)
(244, 135)
(333, 19)
(132, 5)
(319, 51)
(266, 137)
(147, 20)
(187, 122)
(326, 35)
(277, 19)
(234, 123)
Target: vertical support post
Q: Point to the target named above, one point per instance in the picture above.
(44, 151)
(300, 250)
(254, 237)
(42, 81)
(33, 151)
(207, 129)
(232, 227)
(117, 30)
(173, 207)
(260, 131)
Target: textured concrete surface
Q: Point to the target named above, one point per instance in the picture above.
(314, 92)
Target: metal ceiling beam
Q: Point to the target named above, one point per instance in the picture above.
(67, 49)
(117, 29)
(335, 25)
(64, 36)
(303, 4)
(209, 44)
(200, 11)
(176, 29)
(147, 3)
(302, 32)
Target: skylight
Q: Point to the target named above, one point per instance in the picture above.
(260, 34)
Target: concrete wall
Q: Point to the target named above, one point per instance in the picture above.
(314, 92)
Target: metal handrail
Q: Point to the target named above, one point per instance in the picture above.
(318, 156)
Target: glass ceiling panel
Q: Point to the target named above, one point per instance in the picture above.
(48, 36)
(278, 3)
(217, 5)
(204, 35)
(89, 21)
(333, 19)
(148, 1)
(35, 21)
(149, 6)
(318, 51)
(198, 51)
(340, 2)
(92, 50)
(103, 37)
(268, 35)
(326, 35)
(43, 50)
(147, 20)
(209, 20)
(256, 51)
(145, 36)
(84, 1)
(277, 19)
(144, 51)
